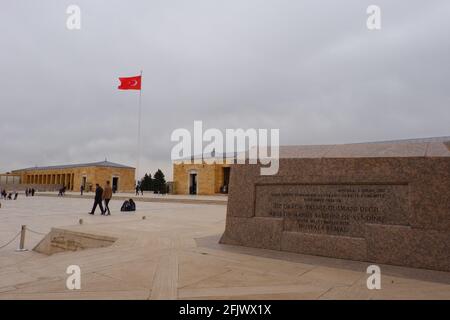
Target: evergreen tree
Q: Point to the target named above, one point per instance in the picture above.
(147, 182)
(159, 182)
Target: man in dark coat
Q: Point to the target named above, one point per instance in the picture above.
(98, 199)
(137, 189)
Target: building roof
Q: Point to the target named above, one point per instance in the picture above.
(105, 164)
(421, 147)
(205, 156)
(416, 140)
(425, 147)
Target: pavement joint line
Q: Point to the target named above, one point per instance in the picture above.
(208, 277)
(145, 199)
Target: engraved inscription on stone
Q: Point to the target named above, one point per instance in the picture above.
(333, 209)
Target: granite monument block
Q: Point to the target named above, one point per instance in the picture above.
(386, 202)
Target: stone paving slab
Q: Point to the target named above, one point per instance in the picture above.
(174, 254)
(149, 197)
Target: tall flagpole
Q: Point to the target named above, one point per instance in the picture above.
(139, 133)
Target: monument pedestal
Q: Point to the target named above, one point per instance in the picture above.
(376, 202)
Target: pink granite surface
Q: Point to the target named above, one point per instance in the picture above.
(377, 202)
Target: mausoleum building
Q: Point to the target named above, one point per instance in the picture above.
(73, 176)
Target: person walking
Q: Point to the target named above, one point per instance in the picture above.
(137, 189)
(81, 189)
(107, 195)
(98, 199)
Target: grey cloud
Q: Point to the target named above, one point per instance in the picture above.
(309, 68)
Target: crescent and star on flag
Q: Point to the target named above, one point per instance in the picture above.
(130, 83)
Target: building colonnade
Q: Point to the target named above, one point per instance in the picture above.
(66, 179)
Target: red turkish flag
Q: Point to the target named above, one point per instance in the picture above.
(130, 83)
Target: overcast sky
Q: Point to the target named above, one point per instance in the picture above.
(308, 67)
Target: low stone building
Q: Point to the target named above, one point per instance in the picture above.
(73, 176)
(201, 178)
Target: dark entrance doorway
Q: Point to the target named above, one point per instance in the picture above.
(83, 183)
(193, 183)
(226, 179)
(115, 184)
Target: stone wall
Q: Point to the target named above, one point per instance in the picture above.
(384, 204)
(62, 240)
(209, 177)
(72, 177)
(205, 178)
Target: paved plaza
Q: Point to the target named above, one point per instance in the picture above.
(174, 254)
(148, 196)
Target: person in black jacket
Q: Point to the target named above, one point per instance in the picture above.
(128, 205)
(98, 199)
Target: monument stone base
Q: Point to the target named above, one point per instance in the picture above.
(377, 202)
